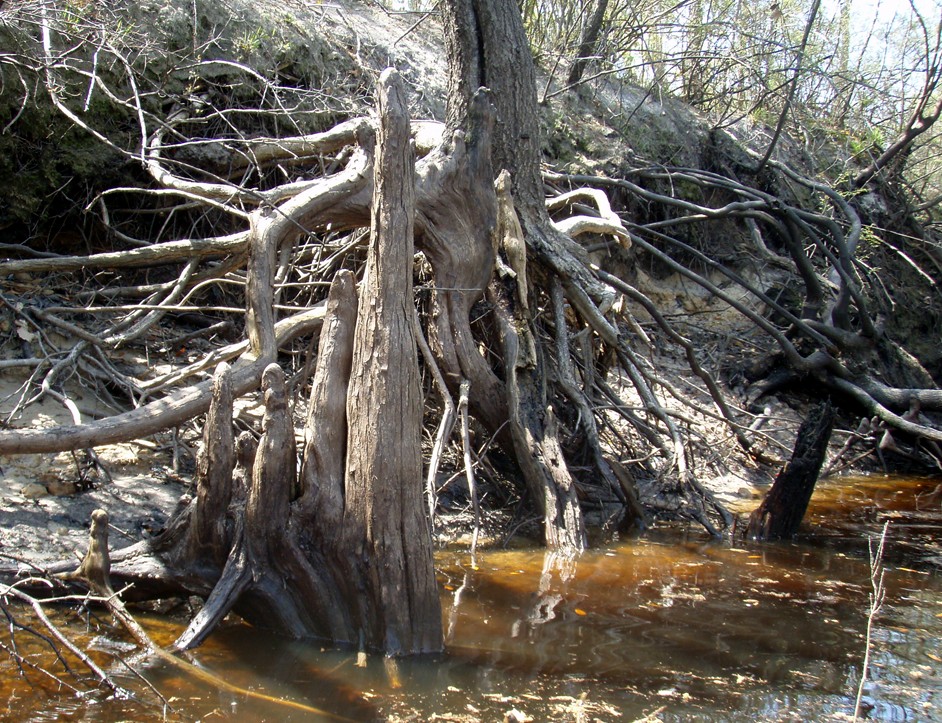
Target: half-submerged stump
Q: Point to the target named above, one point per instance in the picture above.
(340, 549)
(781, 512)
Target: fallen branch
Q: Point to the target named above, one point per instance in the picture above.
(158, 254)
(63, 639)
(94, 571)
(171, 410)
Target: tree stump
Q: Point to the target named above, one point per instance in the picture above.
(340, 549)
(781, 512)
(386, 535)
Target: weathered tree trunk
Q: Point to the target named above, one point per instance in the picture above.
(455, 220)
(780, 514)
(488, 45)
(386, 533)
(588, 43)
(342, 549)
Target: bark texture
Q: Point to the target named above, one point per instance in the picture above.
(385, 524)
(340, 549)
(488, 45)
(588, 43)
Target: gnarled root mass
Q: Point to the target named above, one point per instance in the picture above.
(339, 549)
(534, 307)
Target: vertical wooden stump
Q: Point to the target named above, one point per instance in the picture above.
(342, 549)
(260, 286)
(325, 432)
(780, 514)
(214, 467)
(386, 530)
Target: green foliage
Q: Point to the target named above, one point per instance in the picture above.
(869, 243)
(864, 144)
(249, 42)
(76, 13)
(563, 142)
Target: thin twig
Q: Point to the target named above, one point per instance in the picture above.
(877, 596)
(468, 466)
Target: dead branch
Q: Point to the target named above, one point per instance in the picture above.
(95, 572)
(156, 255)
(64, 640)
(159, 415)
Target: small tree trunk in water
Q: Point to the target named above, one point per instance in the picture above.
(781, 512)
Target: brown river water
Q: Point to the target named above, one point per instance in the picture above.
(673, 626)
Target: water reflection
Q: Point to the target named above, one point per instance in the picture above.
(676, 624)
(709, 629)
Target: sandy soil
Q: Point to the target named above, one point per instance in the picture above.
(46, 502)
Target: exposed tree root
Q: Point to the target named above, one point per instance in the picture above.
(526, 302)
